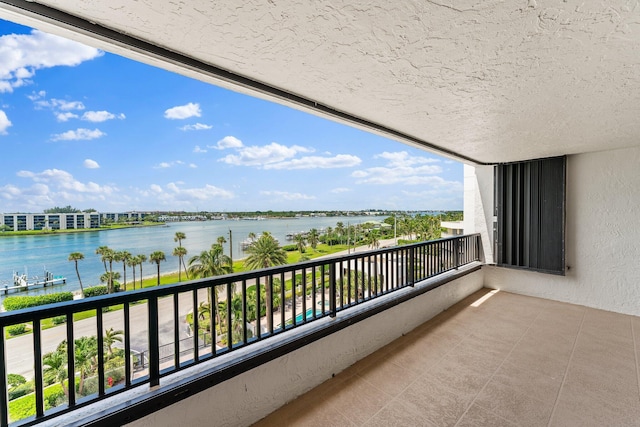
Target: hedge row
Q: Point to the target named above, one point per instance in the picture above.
(25, 406)
(95, 291)
(20, 302)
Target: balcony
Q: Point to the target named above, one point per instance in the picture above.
(493, 359)
(167, 353)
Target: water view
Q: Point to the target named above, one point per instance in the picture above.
(33, 255)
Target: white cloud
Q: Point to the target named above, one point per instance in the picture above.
(40, 101)
(227, 142)
(78, 134)
(176, 193)
(197, 126)
(193, 165)
(340, 190)
(63, 117)
(287, 196)
(4, 123)
(183, 111)
(262, 156)
(91, 164)
(402, 158)
(22, 54)
(401, 169)
(156, 188)
(101, 116)
(165, 165)
(63, 105)
(61, 181)
(197, 149)
(317, 162)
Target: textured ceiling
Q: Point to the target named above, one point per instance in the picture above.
(491, 80)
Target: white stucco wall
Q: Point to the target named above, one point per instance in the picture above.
(602, 237)
(251, 396)
(478, 206)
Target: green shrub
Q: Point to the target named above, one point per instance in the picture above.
(14, 380)
(95, 291)
(25, 406)
(21, 390)
(290, 248)
(20, 302)
(17, 329)
(58, 320)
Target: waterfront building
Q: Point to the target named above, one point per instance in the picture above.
(65, 221)
(539, 99)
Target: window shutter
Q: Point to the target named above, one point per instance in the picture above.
(530, 202)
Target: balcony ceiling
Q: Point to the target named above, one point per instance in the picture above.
(490, 80)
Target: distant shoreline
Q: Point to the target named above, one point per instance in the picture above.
(74, 230)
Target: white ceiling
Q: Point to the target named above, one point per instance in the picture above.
(491, 80)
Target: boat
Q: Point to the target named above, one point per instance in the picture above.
(21, 282)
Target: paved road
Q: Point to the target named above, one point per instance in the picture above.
(20, 349)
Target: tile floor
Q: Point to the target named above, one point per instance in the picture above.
(494, 359)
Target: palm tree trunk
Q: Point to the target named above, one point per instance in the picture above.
(78, 273)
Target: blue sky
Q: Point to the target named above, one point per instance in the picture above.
(83, 127)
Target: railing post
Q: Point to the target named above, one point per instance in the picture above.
(154, 343)
(37, 356)
(71, 366)
(332, 289)
(412, 260)
(456, 253)
(4, 403)
(100, 331)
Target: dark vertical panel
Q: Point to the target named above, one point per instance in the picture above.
(530, 203)
(4, 400)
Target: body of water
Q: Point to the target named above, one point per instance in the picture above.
(35, 254)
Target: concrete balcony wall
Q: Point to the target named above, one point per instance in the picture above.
(602, 235)
(251, 396)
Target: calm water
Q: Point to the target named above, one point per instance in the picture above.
(34, 254)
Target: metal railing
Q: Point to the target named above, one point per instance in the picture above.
(148, 334)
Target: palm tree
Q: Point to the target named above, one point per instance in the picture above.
(124, 257)
(108, 255)
(111, 337)
(141, 259)
(266, 252)
(329, 234)
(221, 240)
(300, 242)
(340, 230)
(374, 239)
(86, 352)
(109, 277)
(211, 263)
(313, 238)
(55, 367)
(75, 257)
(101, 251)
(133, 262)
(179, 237)
(157, 257)
(180, 252)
